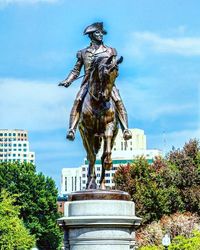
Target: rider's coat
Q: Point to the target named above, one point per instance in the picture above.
(84, 59)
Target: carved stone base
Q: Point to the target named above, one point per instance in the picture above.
(99, 220)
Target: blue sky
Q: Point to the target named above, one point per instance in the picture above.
(159, 79)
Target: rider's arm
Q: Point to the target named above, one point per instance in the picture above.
(75, 71)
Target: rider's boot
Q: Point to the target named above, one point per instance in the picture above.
(73, 121)
(123, 119)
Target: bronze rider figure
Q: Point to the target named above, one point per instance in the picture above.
(85, 57)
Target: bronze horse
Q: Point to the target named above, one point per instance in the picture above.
(99, 121)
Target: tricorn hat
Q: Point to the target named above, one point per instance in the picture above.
(94, 27)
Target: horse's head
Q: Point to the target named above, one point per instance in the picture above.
(108, 72)
(104, 71)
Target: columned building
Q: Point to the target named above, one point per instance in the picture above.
(14, 146)
(123, 152)
(71, 180)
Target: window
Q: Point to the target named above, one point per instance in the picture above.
(65, 183)
(5, 134)
(83, 169)
(125, 145)
(107, 174)
(9, 134)
(107, 181)
(98, 168)
(14, 134)
(122, 145)
(83, 175)
(24, 144)
(19, 145)
(75, 183)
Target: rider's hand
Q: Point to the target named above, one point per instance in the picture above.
(65, 84)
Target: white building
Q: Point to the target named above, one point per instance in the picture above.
(71, 180)
(14, 146)
(123, 152)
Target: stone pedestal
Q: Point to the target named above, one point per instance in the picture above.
(99, 220)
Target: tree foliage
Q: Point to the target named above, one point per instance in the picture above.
(37, 199)
(184, 243)
(13, 233)
(182, 224)
(166, 186)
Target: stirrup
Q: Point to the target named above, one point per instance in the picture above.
(71, 135)
(127, 135)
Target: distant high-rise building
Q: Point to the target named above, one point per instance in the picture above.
(123, 152)
(14, 146)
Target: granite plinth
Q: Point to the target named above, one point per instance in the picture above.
(99, 220)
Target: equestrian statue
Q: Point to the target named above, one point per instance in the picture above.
(98, 107)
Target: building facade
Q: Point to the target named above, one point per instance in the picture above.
(123, 152)
(71, 180)
(14, 146)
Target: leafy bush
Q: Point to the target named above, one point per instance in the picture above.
(13, 234)
(183, 243)
(176, 224)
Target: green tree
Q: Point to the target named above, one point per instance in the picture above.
(13, 233)
(166, 186)
(37, 199)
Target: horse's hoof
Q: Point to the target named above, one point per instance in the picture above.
(102, 186)
(127, 135)
(70, 135)
(92, 184)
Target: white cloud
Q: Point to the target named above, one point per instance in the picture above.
(166, 140)
(4, 3)
(141, 43)
(34, 105)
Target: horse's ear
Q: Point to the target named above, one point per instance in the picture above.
(120, 60)
(109, 60)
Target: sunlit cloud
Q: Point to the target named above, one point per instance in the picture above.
(34, 105)
(141, 43)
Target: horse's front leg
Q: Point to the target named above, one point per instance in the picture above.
(88, 142)
(91, 176)
(107, 163)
